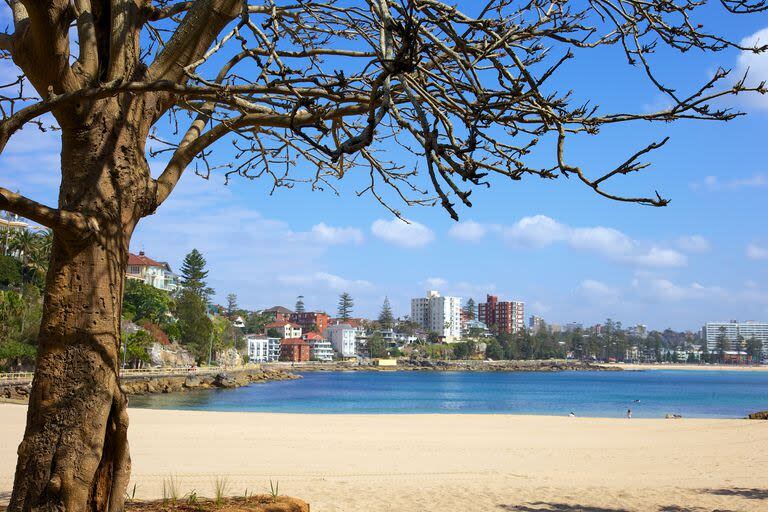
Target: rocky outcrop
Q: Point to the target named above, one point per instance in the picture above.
(761, 415)
(229, 357)
(173, 355)
(143, 385)
(15, 391)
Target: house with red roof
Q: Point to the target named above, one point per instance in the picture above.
(140, 267)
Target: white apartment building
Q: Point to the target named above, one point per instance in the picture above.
(438, 314)
(732, 331)
(320, 349)
(343, 338)
(285, 329)
(261, 349)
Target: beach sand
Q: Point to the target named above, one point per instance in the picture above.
(456, 463)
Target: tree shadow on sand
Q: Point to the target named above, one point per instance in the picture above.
(542, 506)
(742, 492)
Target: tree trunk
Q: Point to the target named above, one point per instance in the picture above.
(74, 456)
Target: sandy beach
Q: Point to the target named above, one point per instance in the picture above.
(456, 463)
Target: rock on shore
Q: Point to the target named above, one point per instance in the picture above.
(143, 385)
(147, 384)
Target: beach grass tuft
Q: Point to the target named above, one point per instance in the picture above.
(220, 487)
(274, 489)
(170, 490)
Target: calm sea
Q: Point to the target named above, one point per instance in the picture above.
(650, 394)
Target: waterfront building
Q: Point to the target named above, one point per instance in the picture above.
(278, 314)
(285, 329)
(438, 314)
(503, 317)
(310, 321)
(475, 328)
(320, 349)
(295, 350)
(536, 323)
(343, 338)
(154, 273)
(734, 330)
(261, 349)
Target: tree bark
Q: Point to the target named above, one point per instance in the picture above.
(74, 456)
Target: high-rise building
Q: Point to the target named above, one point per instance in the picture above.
(438, 314)
(503, 317)
(536, 323)
(732, 331)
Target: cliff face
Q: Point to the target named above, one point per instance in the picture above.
(142, 385)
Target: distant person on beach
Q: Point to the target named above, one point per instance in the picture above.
(629, 414)
(572, 415)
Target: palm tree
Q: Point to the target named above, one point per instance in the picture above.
(23, 243)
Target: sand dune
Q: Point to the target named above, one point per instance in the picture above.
(446, 462)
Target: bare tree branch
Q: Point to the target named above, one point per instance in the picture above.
(71, 223)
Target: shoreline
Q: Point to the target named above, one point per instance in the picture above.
(689, 367)
(451, 463)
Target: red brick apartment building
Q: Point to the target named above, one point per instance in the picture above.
(503, 317)
(311, 321)
(295, 350)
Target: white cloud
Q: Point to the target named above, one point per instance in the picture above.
(657, 288)
(756, 64)
(540, 231)
(594, 290)
(434, 283)
(715, 184)
(409, 234)
(536, 231)
(693, 243)
(469, 230)
(326, 280)
(336, 235)
(756, 252)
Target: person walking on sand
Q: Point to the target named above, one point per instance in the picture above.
(629, 414)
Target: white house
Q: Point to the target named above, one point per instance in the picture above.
(285, 329)
(151, 272)
(320, 348)
(343, 338)
(262, 349)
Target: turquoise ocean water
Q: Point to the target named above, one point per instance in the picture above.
(650, 394)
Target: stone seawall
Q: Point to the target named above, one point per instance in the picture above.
(148, 384)
(453, 366)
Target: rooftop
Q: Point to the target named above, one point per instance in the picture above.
(142, 260)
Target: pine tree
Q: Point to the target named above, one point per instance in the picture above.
(231, 305)
(299, 304)
(385, 317)
(346, 304)
(470, 309)
(193, 275)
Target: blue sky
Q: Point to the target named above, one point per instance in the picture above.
(569, 254)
